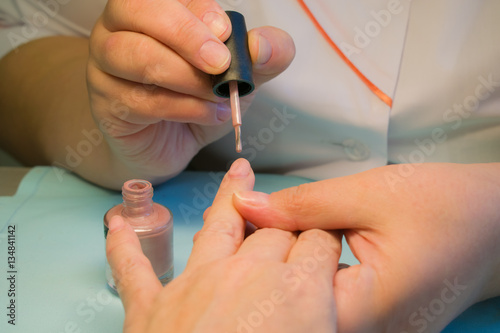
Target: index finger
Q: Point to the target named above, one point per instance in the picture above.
(224, 228)
(189, 31)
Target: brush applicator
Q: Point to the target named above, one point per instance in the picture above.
(237, 80)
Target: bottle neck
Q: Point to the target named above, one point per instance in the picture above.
(137, 198)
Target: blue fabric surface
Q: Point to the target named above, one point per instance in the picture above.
(59, 250)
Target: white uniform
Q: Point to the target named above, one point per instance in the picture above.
(438, 60)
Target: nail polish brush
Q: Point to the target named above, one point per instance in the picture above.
(237, 80)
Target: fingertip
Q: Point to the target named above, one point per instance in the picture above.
(272, 50)
(223, 112)
(115, 236)
(218, 22)
(265, 50)
(115, 224)
(240, 169)
(216, 56)
(238, 174)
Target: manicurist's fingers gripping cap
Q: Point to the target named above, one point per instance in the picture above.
(240, 69)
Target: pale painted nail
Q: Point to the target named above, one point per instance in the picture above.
(223, 112)
(215, 54)
(265, 51)
(240, 169)
(216, 23)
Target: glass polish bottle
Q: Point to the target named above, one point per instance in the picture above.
(153, 224)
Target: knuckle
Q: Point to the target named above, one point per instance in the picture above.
(150, 72)
(316, 286)
(110, 44)
(222, 230)
(141, 99)
(125, 270)
(126, 10)
(293, 199)
(221, 227)
(241, 264)
(92, 75)
(115, 246)
(238, 270)
(185, 30)
(96, 36)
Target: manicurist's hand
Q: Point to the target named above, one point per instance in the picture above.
(427, 238)
(272, 281)
(149, 79)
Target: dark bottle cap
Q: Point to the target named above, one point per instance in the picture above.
(240, 69)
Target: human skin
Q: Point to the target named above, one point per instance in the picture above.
(142, 80)
(283, 278)
(428, 246)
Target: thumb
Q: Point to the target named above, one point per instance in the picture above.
(272, 50)
(323, 205)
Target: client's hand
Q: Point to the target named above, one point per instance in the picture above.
(272, 281)
(427, 242)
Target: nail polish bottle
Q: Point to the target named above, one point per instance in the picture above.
(153, 224)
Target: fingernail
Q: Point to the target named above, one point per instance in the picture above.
(215, 54)
(115, 223)
(216, 22)
(252, 198)
(240, 169)
(223, 112)
(265, 51)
